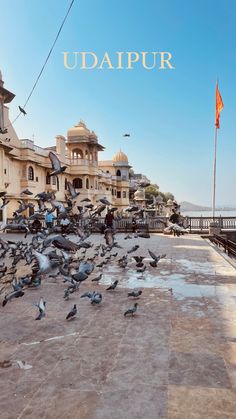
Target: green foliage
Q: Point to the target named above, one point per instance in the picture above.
(153, 190)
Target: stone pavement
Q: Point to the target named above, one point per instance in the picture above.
(176, 359)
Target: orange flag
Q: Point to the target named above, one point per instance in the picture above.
(219, 106)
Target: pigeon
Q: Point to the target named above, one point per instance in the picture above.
(87, 294)
(135, 293)
(41, 306)
(22, 110)
(104, 201)
(96, 298)
(141, 270)
(97, 279)
(14, 294)
(139, 261)
(66, 293)
(112, 286)
(155, 258)
(133, 249)
(86, 200)
(56, 165)
(126, 135)
(131, 310)
(26, 192)
(72, 190)
(72, 313)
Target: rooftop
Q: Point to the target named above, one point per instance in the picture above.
(176, 358)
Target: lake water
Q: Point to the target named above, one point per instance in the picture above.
(209, 213)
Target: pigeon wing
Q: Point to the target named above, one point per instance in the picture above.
(153, 256)
(56, 165)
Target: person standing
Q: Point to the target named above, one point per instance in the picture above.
(109, 219)
(49, 219)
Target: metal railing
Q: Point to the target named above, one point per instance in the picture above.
(228, 245)
(202, 224)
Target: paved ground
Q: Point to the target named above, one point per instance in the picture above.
(176, 359)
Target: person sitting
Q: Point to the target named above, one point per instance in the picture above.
(36, 225)
(174, 218)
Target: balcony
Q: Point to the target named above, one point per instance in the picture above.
(81, 162)
(122, 178)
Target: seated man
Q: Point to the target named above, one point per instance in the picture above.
(36, 225)
(174, 218)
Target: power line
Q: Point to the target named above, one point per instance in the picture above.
(45, 62)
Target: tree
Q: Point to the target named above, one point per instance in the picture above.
(151, 190)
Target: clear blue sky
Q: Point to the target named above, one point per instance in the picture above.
(169, 114)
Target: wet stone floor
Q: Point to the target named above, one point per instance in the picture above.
(175, 359)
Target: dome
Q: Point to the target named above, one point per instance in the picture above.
(139, 195)
(80, 130)
(120, 157)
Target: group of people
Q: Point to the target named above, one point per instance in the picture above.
(49, 220)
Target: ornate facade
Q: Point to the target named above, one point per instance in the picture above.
(25, 165)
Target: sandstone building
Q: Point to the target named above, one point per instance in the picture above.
(25, 165)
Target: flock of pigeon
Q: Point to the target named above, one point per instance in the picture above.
(50, 253)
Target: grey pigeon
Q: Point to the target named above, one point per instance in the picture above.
(41, 306)
(112, 286)
(132, 310)
(72, 313)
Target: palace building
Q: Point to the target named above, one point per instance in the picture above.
(26, 165)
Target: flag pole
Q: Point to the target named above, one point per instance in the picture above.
(214, 177)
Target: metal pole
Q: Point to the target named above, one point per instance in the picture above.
(214, 178)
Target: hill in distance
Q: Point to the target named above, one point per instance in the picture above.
(188, 206)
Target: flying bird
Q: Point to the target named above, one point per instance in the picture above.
(56, 165)
(155, 258)
(22, 110)
(126, 135)
(41, 306)
(72, 191)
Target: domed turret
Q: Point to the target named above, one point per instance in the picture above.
(120, 157)
(139, 195)
(78, 131)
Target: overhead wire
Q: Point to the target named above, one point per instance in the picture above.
(45, 62)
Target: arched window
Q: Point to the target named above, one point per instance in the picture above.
(87, 183)
(65, 183)
(118, 173)
(48, 179)
(78, 183)
(96, 184)
(86, 154)
(30, 173)
(77, 154)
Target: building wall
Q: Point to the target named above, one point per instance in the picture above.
(17, 156)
